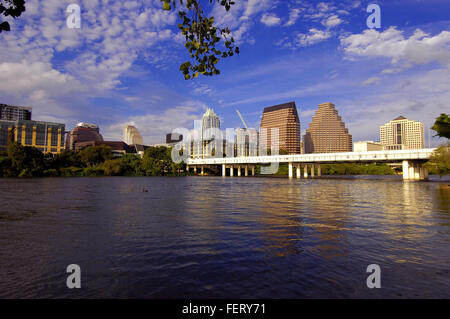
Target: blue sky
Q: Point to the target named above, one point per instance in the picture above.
(121, 67)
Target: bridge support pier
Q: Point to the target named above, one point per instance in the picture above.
(319, 171)
(291, 173)
(202, 171)
(195, 169)
(253, 170)
(224, 170)
(305, 171)
(312, 171)
(414, 171)
(232, 171)
(298, 171)
(246, 170)
(239, 171)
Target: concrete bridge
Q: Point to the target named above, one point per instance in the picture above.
(412, 162)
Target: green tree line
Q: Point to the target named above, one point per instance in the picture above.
(440, 161)
(26, 161)
(345, 169)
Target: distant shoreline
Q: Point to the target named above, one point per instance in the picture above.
(433, 178)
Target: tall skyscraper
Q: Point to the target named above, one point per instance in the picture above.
(131, 136)
(209, 120)
(283, 117)
(14, 113)
(327, 132)
(402, 134)
(205, 142)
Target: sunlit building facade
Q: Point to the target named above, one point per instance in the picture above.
(402, 134)
(285, 119)
(206, 143)
(327, 132)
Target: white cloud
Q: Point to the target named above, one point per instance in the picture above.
(420, 96)
(203, 89)
(294, 14)
(332, 21)
(255, 6)
(154, 127)
(314, 36)
(371, 80)
(34, 78)
(109, 41)
(270, 19)
(419, 48)
(240, 17)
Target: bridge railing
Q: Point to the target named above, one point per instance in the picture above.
(374, 156)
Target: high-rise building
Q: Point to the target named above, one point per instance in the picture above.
(327, 132)
(209, 121)
(206, 143)
(14, 113)
(46, 136)
(83, 132)
(246, 142)
(283, 117)
(131, 136)
(402, 133)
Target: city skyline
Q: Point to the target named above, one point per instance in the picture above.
(306, 52)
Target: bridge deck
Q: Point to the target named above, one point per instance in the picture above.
(377, 156)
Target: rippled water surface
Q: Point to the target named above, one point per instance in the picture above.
(214, 237)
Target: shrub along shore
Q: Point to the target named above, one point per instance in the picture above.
(25, 161)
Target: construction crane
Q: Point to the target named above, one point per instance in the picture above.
(242, 119)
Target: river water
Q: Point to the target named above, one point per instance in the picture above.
(213, 237)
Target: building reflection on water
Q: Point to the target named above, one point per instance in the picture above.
(300, 209)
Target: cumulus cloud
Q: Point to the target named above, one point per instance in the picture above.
(314, 36)
(43, 59)
(270, 19)
(239, 17)
(154, 126)
(109, 41)
(332, 21)
(35, 78)
(255, 6)
(326, 14)
(419, 48)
